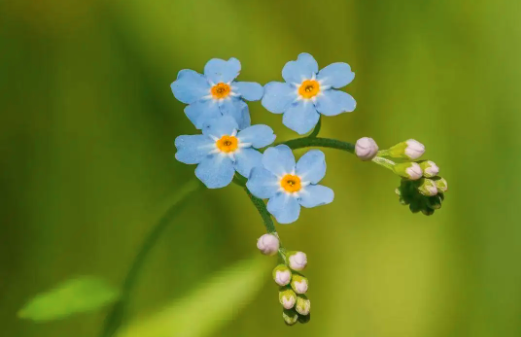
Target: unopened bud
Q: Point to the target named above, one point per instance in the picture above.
(297, 260)
(366, 148)
(434, 202)
(428, 211)
(303, 305)
(410, 171)
(287, 298)
(268, 244)
(290, 316)
(410, 149)
(428, 188)
(303, 319)
(282, 275)
(299, 284)
(429, 168)
(441, 184)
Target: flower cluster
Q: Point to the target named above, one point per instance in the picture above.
(230, 149)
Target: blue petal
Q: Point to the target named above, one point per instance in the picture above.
(215, 171)
(316, 195)
(217, 70)
(190, 86)
(237, 109)
(192, 149)
(262, 183)
(279, 160)
(278, 96)
(257, 135)
(246, 159)
(336, 75)
(303, 68)
(250, 91)
(312, 166)
(216, 128)
(285, 208)
(301, 117)
(334, 102)
(202, 111)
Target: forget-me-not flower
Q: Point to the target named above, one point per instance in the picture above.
(216, 93)
(222, 149)
(308, 93)
(288, 185)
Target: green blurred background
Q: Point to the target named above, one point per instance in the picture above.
(86, 138)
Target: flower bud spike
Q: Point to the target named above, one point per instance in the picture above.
(428, 187)
(297, 260)
(268, 244)
(290, 316)
(282, 275)
(303, 305)
(429, 168)
(287, 297)
(411, 149)
(299, 284)
(410, 171)
(366, 148)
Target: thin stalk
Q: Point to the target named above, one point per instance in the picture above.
(118, 313)
(304, 142)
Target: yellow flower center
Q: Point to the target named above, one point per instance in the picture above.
(309, 89)
(290, 183)
(221, 90)
(227, 143)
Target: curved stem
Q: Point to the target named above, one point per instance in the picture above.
(304, 142)
(263, 211)
(320, 142)
(117, 315)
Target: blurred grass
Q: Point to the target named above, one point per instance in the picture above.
(86, 140)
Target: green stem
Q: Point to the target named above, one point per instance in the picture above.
(263, 211)
(117, 315)
(303, 142)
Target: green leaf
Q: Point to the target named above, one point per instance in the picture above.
(209, 307)
(70, 297)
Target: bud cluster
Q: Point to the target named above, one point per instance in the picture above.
(292, 288)
(425, 195)
(421, 187)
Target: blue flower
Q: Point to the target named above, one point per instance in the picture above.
(289, 186)
(221, 150)
(215, 93)
(308, 93)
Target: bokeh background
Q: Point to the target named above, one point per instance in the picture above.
(87, 126)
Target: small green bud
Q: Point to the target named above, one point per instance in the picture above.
(415, 206)
(428, 187)
(297, 260)
(410, 149)
(434, 202)
(299, 284)
(290, 316)
(427, 211)
(429, 168)
(282, 275)
(304, 318)
(303, 305)
(410, 171)
(441, 184)
(287, 297)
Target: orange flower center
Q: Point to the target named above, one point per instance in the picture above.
(309, 89)
(227, 144)
(221, 90)
(290, 183)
